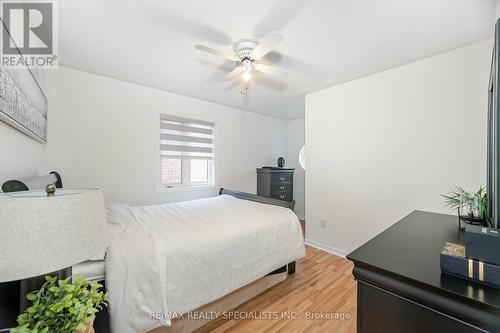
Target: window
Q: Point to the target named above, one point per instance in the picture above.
(186, 152)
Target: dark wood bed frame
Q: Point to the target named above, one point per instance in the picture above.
(10, 291)
(256, 198)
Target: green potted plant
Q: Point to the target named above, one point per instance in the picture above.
(475, 204)
(62, 307)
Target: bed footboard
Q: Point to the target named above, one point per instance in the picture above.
(256, 198)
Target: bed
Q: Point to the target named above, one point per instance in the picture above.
(175, 267)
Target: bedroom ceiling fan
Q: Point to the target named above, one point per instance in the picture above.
(248, 53)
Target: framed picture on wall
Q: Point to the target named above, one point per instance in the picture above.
(23, 105)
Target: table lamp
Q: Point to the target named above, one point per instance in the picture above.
(47, 231)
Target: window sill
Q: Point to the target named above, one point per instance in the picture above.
(162, 189)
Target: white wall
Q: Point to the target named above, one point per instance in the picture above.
(385, 145)
(21, 156)
(103, 132)
(295, 142)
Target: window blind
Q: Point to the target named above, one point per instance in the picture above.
(186, 138)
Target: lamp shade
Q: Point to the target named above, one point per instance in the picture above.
(40, 234)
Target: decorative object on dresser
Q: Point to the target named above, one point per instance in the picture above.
(471, 208)
(281, 162)
(45, 233)
(455, 263)
(275, 183)
(482, 243)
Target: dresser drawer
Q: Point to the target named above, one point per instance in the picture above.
(287, 196)
(282, 187)
(282, 179)
(275, 183)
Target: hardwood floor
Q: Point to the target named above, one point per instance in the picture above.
(322, 287)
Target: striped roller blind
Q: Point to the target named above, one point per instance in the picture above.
(186, 138)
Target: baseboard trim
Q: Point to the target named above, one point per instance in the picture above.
(326, 248)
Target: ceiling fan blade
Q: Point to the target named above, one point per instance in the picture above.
(270, 70)
(234, 73)
(292, 64)
(216, 52)
(232, 85)
(280, 15)
(159, 14)
(269, 82)
(267, 44)
(219, 70)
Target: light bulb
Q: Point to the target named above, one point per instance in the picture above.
(247, 75)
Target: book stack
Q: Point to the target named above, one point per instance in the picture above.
(455, 262)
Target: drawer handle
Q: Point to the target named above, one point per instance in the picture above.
(282, 196)
(282, 179)
(282, 187)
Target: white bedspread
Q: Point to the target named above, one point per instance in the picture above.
(176, 257)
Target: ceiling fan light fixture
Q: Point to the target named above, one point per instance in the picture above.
(247, 75)
(247, 52)
(247, 69)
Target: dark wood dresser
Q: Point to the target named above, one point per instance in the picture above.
(401, 289)
(275, 183)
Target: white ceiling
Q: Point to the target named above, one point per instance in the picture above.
(151, 42)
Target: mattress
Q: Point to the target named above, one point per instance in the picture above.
(169, 259)
(92, 270)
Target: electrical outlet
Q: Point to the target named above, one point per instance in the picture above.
(323, 223)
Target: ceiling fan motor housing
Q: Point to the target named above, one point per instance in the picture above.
(244, 49)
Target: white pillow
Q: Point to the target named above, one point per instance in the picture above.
(98, 257)
(118, 216)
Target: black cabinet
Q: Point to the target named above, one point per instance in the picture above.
(401, 288)
(275, 183)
